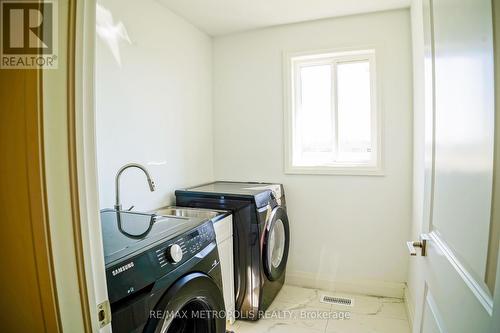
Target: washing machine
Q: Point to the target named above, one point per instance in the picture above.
(163, 274)
(261, 237)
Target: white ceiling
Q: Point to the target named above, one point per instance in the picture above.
(220, 17)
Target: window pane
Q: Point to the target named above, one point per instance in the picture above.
(314, 118)
(354, 112)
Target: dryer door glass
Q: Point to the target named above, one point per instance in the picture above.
(276, 243)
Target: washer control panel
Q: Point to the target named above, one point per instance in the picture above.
(174, 253)
(183, 248)
(136, 272)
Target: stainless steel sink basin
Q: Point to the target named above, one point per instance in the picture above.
(187, 212)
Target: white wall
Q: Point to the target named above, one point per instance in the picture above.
(348, 232)
(154, 109)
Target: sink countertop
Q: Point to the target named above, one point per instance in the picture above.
(209, 214)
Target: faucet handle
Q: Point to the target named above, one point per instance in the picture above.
(131, 207)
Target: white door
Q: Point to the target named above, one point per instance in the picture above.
(460, 265)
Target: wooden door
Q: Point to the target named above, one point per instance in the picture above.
(27, 287)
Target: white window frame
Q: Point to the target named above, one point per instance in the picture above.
(294, 60)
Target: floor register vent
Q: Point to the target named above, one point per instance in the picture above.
(337, 300)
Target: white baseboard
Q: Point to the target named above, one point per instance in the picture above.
(410, 311)
(365, 287)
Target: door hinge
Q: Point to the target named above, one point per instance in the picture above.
(104, 313)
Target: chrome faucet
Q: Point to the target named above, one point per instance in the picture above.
(151, 183)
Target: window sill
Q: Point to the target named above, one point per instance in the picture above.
(335, 170)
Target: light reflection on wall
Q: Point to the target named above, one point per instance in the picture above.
(112, 34)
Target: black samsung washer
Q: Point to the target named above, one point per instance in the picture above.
(261, 237)
(163, 274)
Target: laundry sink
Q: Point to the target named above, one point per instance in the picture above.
(188, 212)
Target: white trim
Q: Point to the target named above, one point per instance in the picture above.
(291, 60)
(436, 313)
(410, 311)
(478, 288)
(87, 161)
(334, 170)
(365, 287)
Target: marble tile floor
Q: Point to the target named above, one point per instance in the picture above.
(299, 310)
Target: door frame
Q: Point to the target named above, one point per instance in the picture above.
(496, 175)
(83, 167)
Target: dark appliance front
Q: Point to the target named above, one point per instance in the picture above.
(148, 290)
(256, 210)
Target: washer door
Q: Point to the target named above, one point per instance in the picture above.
(193, 304)
(276, 243)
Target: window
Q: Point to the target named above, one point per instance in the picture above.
(331, 114)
